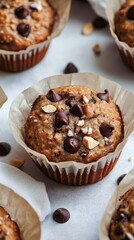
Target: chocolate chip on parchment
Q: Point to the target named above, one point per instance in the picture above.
(5, 148)
(61, 119)
(99, 23)
(53, 96)
(104, 96)
(130, 13)
(24, 29)
(77, 110)
(61, 215)
(71, 145)
(106, 130)
(21, 12)
(120, 178)
(70, 68)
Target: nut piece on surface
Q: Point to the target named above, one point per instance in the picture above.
(89, 142)
(80, 123)
(70, 133)
(49, 109)
(85, 99)
(16, 163)
(96, 49)
(88, 28)
(87, 130)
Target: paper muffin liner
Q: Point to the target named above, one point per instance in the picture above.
(3, 97)
(70, 172)
(16, 61)
(126, 52)
(22, 213)
(126, 184)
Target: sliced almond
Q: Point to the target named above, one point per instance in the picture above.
(36, 5)
(49, 109)
(17, 163)
(88, 28)
(80, 123)
(70, 133)
(85, 99)
(90, 142)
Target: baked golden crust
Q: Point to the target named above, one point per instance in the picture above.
(122, 224)
(94, 126)
(124, 26)
(9, 230)
(37, 17)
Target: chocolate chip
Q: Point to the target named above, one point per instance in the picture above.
(104, 96)
(69, 101)
(71, 145)
(61, 119)
(77, 110)
(5, 148)
(53, 96)
(106, 130)
(130, 13)
(61, 215)
(121, 216)
(21, 12)
(118, 230)
(120, 178)
(83, 154)
(99, 23)
(24, 29)
(70, 68)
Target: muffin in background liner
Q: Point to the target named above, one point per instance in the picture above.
(70, 172)
(126, 52)
(22, 213)
(17, 61)
(3, 97)
(126, 185)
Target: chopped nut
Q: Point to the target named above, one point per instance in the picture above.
(96, 49)
(85, 99)
(16, 163)
(70, 133)
(36, 5)
(88, 28)
(89, 142)
(80, 123)
(87, 130)
(49, 109)
(106, 140)
(90, 130)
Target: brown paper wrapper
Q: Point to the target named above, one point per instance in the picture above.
(126, 184)
(126, 52)
(72, 173)
(11, 61)
(3, 97)
(22, 213)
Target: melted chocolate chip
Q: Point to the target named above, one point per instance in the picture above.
(61, 215)
(71, 145)
(130, 13)
(21, 12)
(99, 23)
(5, 149)
(69, 101)
(24, 29)
(104, 96)
(70, 68)
(61, 119)
(53, 96)
(106, 130)
(121, 216)
(118, 230)
(120, 178)
(77, 110)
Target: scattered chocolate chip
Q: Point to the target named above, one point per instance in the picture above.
(121, 216)
(104, 96)
(21, 12)
(61, 119)
(118, 230)
(5, 148)
(71, 145)
(70, 68)
(69, 101)
(106, 130)
(24, 29)
(83, 154)
(53, 96)
(130, 13)
(61, 215)
(99, 23)
(77, 110)
(120, 178)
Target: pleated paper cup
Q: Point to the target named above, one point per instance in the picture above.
(126, 52)
(124, 187)
(3, 97)
(12, 61)
(70, 172)
(22, 213)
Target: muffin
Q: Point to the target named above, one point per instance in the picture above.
(3, 97)
(74, 123)
(122, 223)
(121, 19)
(26, 29)
(8, 228)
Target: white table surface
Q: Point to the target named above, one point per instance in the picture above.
(87, 203)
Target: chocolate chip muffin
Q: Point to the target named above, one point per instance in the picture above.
(122, 224)
(24, 23)
(74, 123)
(124, 23)
(9, 230)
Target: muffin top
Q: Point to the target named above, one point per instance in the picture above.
(122, 224)
(24, 23)
(74, 123)
(8, 228)
(124, 23)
